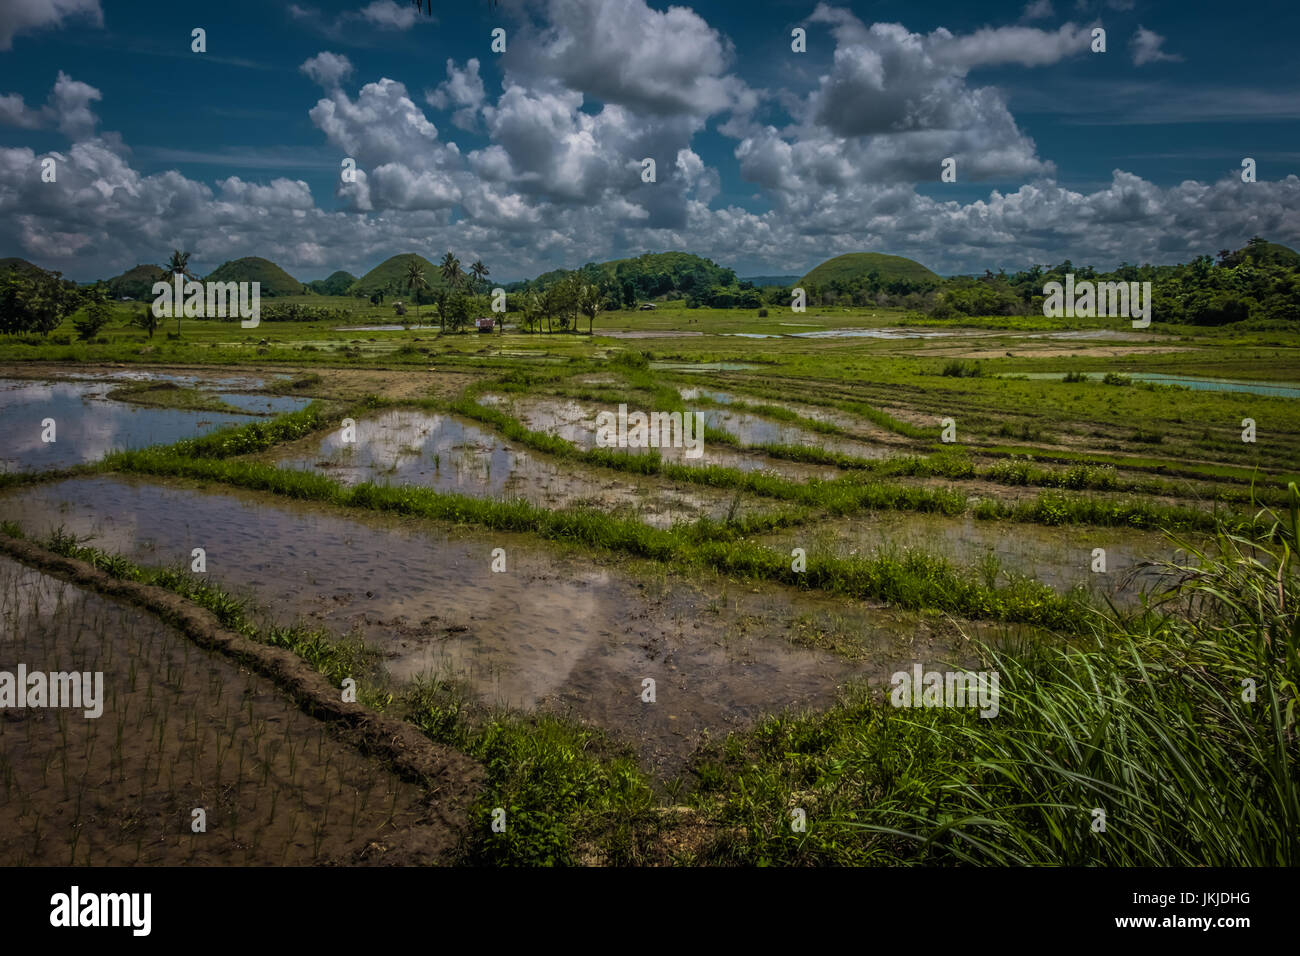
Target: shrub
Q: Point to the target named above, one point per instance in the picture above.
(959, 369)
(631, 359)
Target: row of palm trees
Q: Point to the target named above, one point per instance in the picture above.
(565, 300)
(455, 281)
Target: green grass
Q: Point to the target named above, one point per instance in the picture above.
(1147, 721)
(171, 395)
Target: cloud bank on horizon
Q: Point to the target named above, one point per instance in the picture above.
(767, 160)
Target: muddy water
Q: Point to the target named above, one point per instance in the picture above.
(576, 422)
(408, 446)
(264, 404)
(87, 426)
(180, 728)
(212, 380)
(813, 412)
(754, 429)
(1059, 557)
(558, 630)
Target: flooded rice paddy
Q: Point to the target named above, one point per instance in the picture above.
(997, 551)
(180, 728)
(1196, 382)
(87, 426)
(575, 422)
(558, 631)
(409, 446)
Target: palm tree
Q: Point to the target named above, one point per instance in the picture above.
(452, 278)
(415, 281)
(478, 270)
(421, 5)
(451, 271)
(532, 309)
(178, 264)
(590, 301)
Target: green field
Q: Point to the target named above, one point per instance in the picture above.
(1118, 686)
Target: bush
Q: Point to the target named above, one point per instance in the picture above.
(959, 369)
(631, 359)
(88, 325)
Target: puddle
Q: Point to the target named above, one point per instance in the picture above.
(87, 426)
(755, 430)
(207, 380)
(691, 394)
(812, 412)
(264, 404)
(576, 422)
(853, 334)
(704, 366)
(1194, 382)
(1112, 334)
(408, 446)
(558, 631)
(1058, 557)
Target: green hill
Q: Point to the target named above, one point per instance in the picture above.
(389, 277)
(338, 283)
(1261, 253)
(274, 280)
(858, 265)
(136, 283)
(13, 262)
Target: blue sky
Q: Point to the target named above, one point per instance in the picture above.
(767, 160)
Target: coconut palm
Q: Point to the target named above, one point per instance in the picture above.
(590, 301)
(178, 264)
(452, 277)
(426, 6)
(451, 271)
(415, 281)
(478, 270)
(532, 309)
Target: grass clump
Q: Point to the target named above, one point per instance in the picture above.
(1179, 726)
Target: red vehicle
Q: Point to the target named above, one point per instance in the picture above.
(485, 325)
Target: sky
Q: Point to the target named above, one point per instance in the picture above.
(767, 160)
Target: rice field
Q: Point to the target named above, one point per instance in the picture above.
(644, 597)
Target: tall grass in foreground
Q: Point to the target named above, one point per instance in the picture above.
(1179, 728)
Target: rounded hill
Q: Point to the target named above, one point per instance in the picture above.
(273, 279)
(855, 265)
